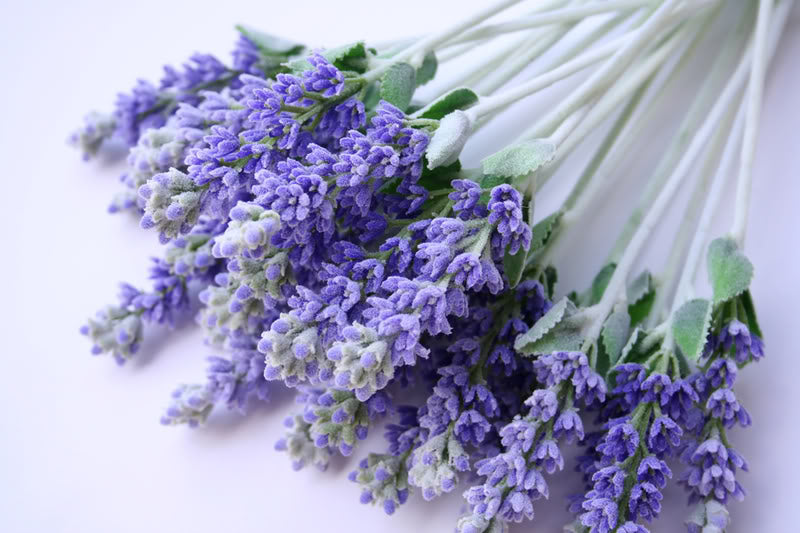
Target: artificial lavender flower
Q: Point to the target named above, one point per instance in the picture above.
(384, 481)
(172, 202)
(708, 517)
(745, 345)
(191, 405)
(114, 330)
(712, 471)
(96, 129)
(156, 151)
(436, 463)
(232, 381)
(722, 405)
(300, 446)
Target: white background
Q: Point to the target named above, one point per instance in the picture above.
(81, 449)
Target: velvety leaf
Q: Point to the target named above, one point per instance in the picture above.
(690, 327)
(450, 137)
(270, 44)
(427, 71)
(561, 329)
(351, 57)
(439, 177)
(729, 271)
(641, 295)
(556, 313)
(444, 105)
(398, 84)
(520, 159)
(634, 339)
(750, 310)
(541, 231)
(550, 278)
(615, 334)
(514, 265)
(600, 283)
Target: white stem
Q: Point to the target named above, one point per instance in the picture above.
(489, 62)
(429, 43)
(662, 18)
(725, 169)
(690, 223)
(568, 14)
(755, 90)
(614, 290)
(685, 291)
(493, 103)
(691, 121)
(531, 48)
(601, 172)
(620, 92)
(456, 51)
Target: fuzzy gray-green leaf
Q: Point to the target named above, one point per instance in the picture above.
(542, 230)
(561, 329)
(641, 295)
(270, 44)
(615, 334)
(556, 313)
(460, 98)
(427, 70)
(729, 271)
(448, 140)
(398, 84)
(690, 327)
(520, 159)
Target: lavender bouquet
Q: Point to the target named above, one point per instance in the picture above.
(320, 215)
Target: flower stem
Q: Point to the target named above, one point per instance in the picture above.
(558, 16)
(690, 222)
(660, 19)
(604, 106)
(755, 91)
(615, 289)
(704, 99)
(426, 44)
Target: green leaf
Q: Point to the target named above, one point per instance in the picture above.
(427, 70)
(372, 96)
(556, 313)
(641, 295)
(560, 329)
(729, 271)
(600, 283)
(398, 84)
(690, 327)
(520, 159)
(439, 177)
(752, 320)
(514, 265)
(350, 57)
(615, 334)
(270, 44)
(456, 99)
(448, 140)
(550, 278)
(542, 230)
(634, 340)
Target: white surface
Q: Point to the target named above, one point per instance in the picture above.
(81, 449)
